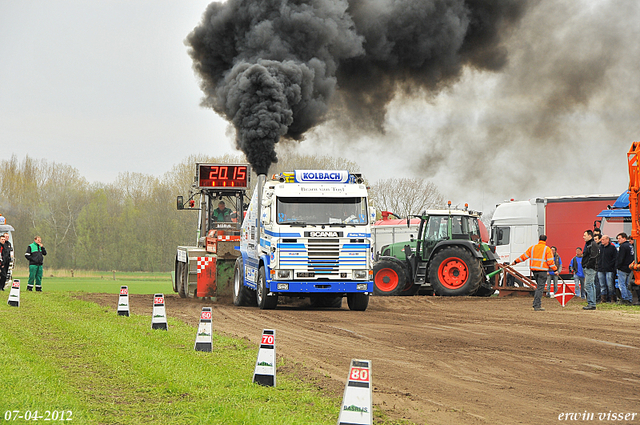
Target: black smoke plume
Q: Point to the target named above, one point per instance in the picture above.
(275, 68)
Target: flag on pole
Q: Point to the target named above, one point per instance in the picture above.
(564, 294)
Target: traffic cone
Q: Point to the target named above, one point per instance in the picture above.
(356, 403)
(159, 317)
(265, 371)
(14, 295)
(203, 338)
(123, 301)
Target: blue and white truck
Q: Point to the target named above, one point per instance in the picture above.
(306, 233)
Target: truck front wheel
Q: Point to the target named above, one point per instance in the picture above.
(454, 272)
(357, 302)
(389, 278)
(241, 294)
(264, 302)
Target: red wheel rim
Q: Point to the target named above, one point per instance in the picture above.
(386, 280)
(453, 273)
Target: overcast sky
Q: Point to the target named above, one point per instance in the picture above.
(108, 86)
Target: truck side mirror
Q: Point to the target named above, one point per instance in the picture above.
(180, 203)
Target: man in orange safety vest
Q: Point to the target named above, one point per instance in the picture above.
(541, 260)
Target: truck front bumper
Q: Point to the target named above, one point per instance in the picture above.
(320, 287)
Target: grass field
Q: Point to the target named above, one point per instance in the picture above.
(62, 354)
(96, 281)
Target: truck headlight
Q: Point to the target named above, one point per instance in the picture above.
(283, 286)
(284, 274)
(359, 274)
(361, 286)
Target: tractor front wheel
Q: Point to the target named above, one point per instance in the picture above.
(389, 278)
(455, 272)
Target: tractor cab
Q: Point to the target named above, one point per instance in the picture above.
(435, 227)
(218, 195)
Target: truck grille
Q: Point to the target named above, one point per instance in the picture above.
(323, 256)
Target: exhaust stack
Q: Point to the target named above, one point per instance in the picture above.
(259, 187)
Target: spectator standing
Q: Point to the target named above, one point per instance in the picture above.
(551, 275)
(606, 270)
(9, 247)
(541, 260)
(596, 281)
(589, 260)
(5, 259)
(35, 254)
(575, 267)
(625, 257)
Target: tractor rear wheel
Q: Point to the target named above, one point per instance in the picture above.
(389, 278)
(483, 291)
(455, 272)
(410, 290)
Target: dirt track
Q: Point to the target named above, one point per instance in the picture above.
(451, 360)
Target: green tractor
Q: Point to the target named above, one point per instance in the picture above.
(447, 258)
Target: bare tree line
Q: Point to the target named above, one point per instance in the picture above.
(132, 224)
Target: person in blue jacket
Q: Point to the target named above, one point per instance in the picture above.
(575, 267)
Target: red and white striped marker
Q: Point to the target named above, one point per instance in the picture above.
(203, 337)
(265, 371)
(123, 301)
(159, 316)
(356, 403)
(14, 295)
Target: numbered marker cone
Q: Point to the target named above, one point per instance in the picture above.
(14, 295)
(159, 317)
(123, 301)
(203, 338)
(265, 372)
(356, 403)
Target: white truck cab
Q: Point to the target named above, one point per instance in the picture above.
(309, 235)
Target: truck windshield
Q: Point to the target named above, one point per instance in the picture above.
(322, 211)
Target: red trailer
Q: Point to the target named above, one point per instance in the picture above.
(516, 225)
(566, 219)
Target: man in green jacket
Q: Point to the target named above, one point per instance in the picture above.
(35, 254)
(222, 213)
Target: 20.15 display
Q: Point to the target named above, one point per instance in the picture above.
(223, 175)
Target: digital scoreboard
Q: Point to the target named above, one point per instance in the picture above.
(221, 176)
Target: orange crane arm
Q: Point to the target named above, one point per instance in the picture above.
(633, 158)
